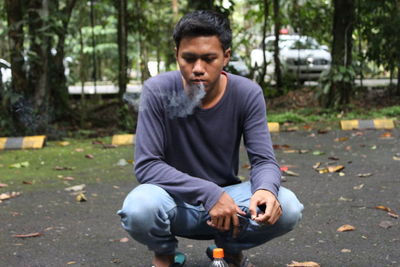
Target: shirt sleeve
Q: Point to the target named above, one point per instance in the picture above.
(265, 172)
(150, 163)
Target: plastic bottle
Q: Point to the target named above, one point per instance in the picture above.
(218, 261)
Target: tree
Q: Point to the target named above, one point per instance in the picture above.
(277, 27)
(121, 6)
(338, 86)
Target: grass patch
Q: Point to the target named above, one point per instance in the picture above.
(41, 170)
(315, 115)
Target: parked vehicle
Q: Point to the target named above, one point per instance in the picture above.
(301, 57)
(237, 66)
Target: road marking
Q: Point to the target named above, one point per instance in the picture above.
(123, 139)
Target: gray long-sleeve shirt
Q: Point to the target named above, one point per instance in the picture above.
(192, 157)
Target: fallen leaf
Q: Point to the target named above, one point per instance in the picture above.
(63, 143)
(345, 199)
(322, 131)
(28, 235)
(358, 134)
(71, 262)
(303, 151)
(396, 158)
(81, 197)
(393, 214)
(342, 174)
(341, 139)
(323, 170)
(316, 165)
(383, 208)
(290, 151)
(5, 196)
(75, 188)
(346, 228)
(335, 168)
(20, 165)
(68, 178)
(292, 129)
(373, 147)
(89, 156)
(333, 158)
(386, 135)
(348, 148)
(364, 174)
(386, 224)
(303, 264)
(97, 142)
(124, 240)
(27, 182)
(3, 185)
(78, 150)
(280, 146)
(358, 187)
(291, 173)
(345, 250)
(284, 168)
(318, 153)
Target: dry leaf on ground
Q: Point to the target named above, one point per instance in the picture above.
(59, 168)
(5, 196)
(75, 188)
(28, 235)
(303, 264)
(89, 156)
(290, 173)
(346, 228)
(81, 197)
(336, 168)
(383, 208)
(3, 185)
(364, 174)
(358, 187)
(63, 143)
(341, 139)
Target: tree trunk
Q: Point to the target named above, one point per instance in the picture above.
(122, 46)
(278, 72)
(14, 10)
(343, 24)
(263, 46)
(398, 80)
(19, 82)
(58, 82)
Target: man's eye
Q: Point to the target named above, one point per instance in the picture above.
(209, 59)
(190, 59)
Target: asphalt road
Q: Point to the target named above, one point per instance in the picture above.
(89, 233)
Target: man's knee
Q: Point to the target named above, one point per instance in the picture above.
(291, 209)
(144, 204)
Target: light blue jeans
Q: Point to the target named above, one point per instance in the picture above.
(153, 217)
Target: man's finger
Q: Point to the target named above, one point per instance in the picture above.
(227, 223)
(253, 209)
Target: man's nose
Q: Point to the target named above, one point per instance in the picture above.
(198, 68)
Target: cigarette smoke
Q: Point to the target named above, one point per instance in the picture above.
(177, 103)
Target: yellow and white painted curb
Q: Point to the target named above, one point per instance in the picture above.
(273, 127)
(367, 124)
(123, 139)
(27, 142)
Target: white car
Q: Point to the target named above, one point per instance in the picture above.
(301, 57)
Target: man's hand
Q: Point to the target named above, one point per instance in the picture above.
(273, 208)
(224, 214)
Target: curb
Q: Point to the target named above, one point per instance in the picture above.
(27, 142)
(367, 124)
(273, 127)
(123, 139)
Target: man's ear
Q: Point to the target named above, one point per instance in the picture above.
(227, 56)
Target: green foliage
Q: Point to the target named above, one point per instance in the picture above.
(286, 117)
(336, 84)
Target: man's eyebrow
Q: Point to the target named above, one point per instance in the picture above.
(189, 54)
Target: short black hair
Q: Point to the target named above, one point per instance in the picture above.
(204, 23)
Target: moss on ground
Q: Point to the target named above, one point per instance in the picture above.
(42, 163)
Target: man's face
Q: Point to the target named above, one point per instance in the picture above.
(201, 60)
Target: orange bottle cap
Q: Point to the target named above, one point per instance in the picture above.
(218, 253)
